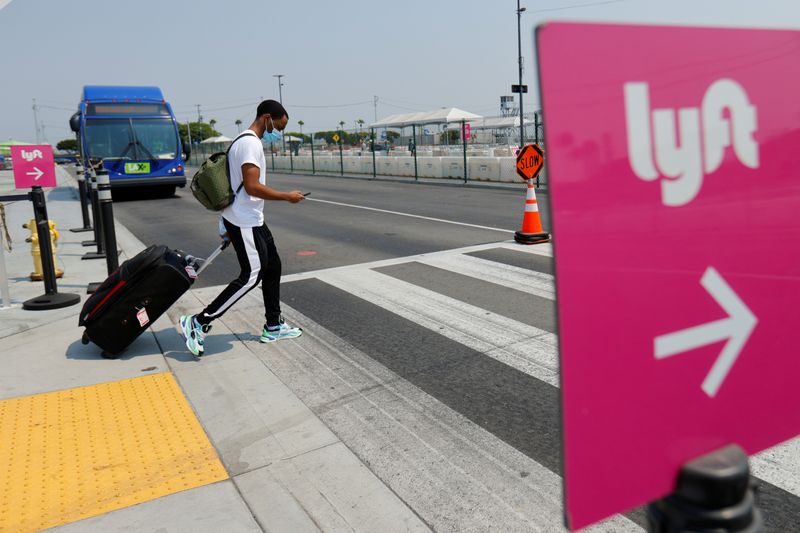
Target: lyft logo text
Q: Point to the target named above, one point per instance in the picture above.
(30, 156)
(699, 146)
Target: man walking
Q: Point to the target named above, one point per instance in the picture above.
(250, 236)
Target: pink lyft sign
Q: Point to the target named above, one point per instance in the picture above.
(675, 200)
(33, 165)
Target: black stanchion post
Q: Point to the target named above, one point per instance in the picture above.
(51, 299)
(107, 214)
(87, 226)
(713, 494)
(98, 224)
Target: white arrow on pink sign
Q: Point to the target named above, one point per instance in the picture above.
(33, 165)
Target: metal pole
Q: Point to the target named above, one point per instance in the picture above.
(36, 121)
(87, 226)
(464, 142)
(341, 160)
(291, 159)
(519, 47)
(272, 155)
(107, 213)
(51, 299)
(5, 292)
(98, 225)
(313, 168)
(189, 135)
(280, 99)
(372, 146)
(414, 149)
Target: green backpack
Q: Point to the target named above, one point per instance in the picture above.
(211, 185)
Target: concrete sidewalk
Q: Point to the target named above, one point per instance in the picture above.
(279, 467)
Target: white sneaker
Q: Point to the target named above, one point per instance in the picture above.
(281, 331)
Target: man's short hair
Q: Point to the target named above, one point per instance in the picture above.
(272, 108)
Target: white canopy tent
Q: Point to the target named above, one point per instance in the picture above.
(498, 123)
(439, 116)
(220, 139)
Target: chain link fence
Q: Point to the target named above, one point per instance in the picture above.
(481, 149)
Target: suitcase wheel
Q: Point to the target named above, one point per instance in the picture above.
(85, 338)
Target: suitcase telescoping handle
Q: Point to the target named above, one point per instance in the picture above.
(213, 256)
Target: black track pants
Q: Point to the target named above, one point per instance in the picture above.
(259, 262)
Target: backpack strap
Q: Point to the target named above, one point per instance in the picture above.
(228, 163)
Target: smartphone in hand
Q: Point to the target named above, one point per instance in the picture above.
(306, 193)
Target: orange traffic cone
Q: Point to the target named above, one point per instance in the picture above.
(531, 232)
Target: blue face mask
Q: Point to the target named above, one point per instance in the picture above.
(272, 136)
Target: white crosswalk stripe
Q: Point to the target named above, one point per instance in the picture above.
(510, 276)
(526, 348)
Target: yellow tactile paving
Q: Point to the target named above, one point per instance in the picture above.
(81, 452)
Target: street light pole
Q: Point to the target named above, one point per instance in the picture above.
(519, 50)
(280, 99)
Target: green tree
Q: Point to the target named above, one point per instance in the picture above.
(200, 131)
(238, 125)
(68, 145)
(392, 136)
(450, 137)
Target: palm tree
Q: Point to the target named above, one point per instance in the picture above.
(341, 126)
(360, 123)
(238, 125)
(301, 124)
(211, 123)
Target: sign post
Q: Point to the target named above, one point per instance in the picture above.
(676, 329)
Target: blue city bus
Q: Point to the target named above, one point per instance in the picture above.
(133, 131)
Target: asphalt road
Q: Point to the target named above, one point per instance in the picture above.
(321, 233)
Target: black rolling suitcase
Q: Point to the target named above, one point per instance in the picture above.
(136, 294)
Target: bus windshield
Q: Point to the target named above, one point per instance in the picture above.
(133, 139)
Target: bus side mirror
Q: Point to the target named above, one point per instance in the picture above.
(75, 122)
(187, 149)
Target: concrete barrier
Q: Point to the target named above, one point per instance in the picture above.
(405, 166)
(366, 164)
(352, 165)
(484, 168)
(387, 166)
(303, 163)
(452, 167)
(430, 167)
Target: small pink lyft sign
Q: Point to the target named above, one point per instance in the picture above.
(675, 199)
(33, 165)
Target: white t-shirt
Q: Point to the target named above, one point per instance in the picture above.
(246, 211)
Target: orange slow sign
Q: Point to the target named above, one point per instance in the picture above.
(530, 161)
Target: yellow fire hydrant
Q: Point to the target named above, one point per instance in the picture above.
(38, 274)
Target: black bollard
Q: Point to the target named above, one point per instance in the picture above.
(87, 226)
(107, 215)
(98, 224)
(713, 495)
(51, 299)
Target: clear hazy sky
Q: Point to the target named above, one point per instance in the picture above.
(414, 55)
